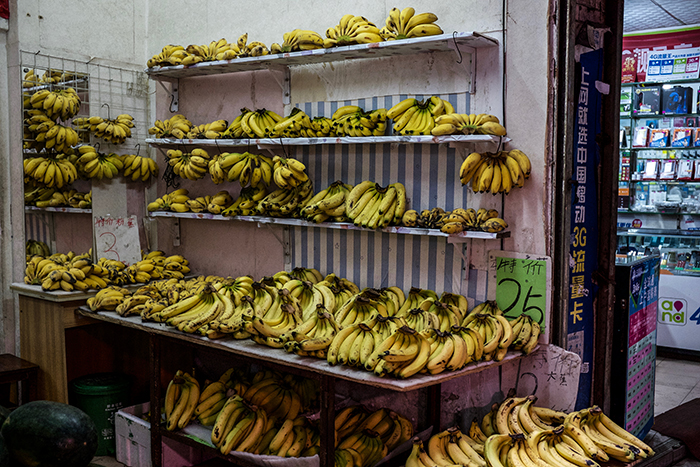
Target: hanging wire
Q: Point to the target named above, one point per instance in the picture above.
(138, 148)
(454, 39)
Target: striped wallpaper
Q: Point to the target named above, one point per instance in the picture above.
(430, 174)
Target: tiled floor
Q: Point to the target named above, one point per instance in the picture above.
(677, 381)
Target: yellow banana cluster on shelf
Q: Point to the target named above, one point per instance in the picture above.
(247, 202)
(406, 24)
(60, 104)
(495, 172)
(176, 126)
(351, 120)
(248, 169)
(328, 204)
(352, 30)
(170, 55)
(214, 204)
(352, 425)
(485, 220)
(36, 248)
(414, 117)
(215, 50)
(173, 55)
(55, 171)
(50, 76)
(259, 123)
(192, 165)
(114, 131)
(449, 447)
(139, 167)
(371, 206)
(175, 201)
(297, 124)
(211, 130)
(288, 173)
(467, 124)
(181, 400)
(296, 40)
(315, 334)
(71, 198)
(95, 165)
(44, 132)
(286, 202)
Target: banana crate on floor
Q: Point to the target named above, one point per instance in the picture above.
(133, 439)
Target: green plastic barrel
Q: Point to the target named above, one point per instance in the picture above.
(101, 395)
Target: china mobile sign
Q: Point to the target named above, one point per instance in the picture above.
(637, 48)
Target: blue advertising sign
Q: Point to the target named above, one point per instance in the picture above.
(584, 219)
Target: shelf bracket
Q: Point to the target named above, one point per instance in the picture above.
(469, 63)
(176, 232)
(272, 230)
(283, 77)
(174, 94)
(457, 244)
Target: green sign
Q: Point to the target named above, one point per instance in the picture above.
(522, 287)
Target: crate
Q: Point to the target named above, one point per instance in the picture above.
(133, 442)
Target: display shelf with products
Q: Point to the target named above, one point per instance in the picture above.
(31, 209)
(679, 249)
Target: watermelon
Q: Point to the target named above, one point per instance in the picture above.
(50, 434)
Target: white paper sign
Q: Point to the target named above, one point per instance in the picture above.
(117, 238)
(666, 65)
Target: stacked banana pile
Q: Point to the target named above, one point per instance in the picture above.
(405, 24)
(296, 40)
(45, 132)
(175, 201)
(176, 126)
(352, 30)
(192, 313)
(139, 167)
(248, 169)
(259, 123)
(215, 204)
(60, 104)
(55, 198)
(192, 165)
(286, 203)
(455, 221)
(495, 172)
(114, 131)
(299, 125)
(371, 206)
(247, 202)
(96, 165)
(211, 130)
(414, 117)
(64, 272)
(171, 55)
(53, 170)
(366, 436)
(288, 173)
(36, 248)
(108, 298)
(351, 120)
(328, 204)
(50, 76)
(468, 124)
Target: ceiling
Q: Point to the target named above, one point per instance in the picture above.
(655, 14)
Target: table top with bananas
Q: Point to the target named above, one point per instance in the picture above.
(408, 46)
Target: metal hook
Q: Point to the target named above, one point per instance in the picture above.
(284, 150)
(109, 117)
(500, 142)
(138, 148)
(454, 39)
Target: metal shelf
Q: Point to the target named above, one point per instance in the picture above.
(658, 233)
(451, 238)
(439, 43)
(62, 209)
(268, 143)
(60, 84)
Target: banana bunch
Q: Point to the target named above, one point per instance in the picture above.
(37, 247)
(114, 131)
(494, 330)
(140, 302)
(328, 204)
(443, 315)
(171, 55)
(211, 130)
(62, 103)
(342, 289)
(56, 171)
(526, 332)
(46, 133)
(288, 173)
(392, 428)
(107, 298)
(448, 351)
(215, 50)
(178, 198)
(250, 49)
(445, 448)
(468, 219)
(70, 198)
(31, 79)
(176, 126)
(259, 123)
(298, 124)
(313, 336)
(467, 124)
(246, 203)
(181, 398)
(428, 218)
(213, 397)
(416, 296)
(405, 24)
(53, 76)
(371, 206)
(192, 165)
(139, 167)
(198, 310)
(286, 203)
(414, 117)
(351, 120)
(282, 317)
(311, 296)
(352, 30)
(403, 354)
(361, 307)
(368, 444)
(614, 440)
(309, 391)
(276, 397)
(65, 278)
(248, 169)
(96, 165)
(495, 173)
(215, 204)
(306, 274)
(296, 40)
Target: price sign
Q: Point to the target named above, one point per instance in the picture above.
(520, 283)
(117, 238)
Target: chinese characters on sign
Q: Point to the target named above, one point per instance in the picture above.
(117, 238)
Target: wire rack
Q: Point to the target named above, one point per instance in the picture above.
(105, 91)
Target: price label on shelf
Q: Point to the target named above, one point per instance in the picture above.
(519, 283)
(117, 238)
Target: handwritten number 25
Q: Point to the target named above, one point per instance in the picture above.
(526, 307)
(110, 246)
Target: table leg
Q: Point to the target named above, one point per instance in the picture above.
(327, 425)
(156, 438)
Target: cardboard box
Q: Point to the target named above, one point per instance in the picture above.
(647, 100)
(133, 439)
(677, 100)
